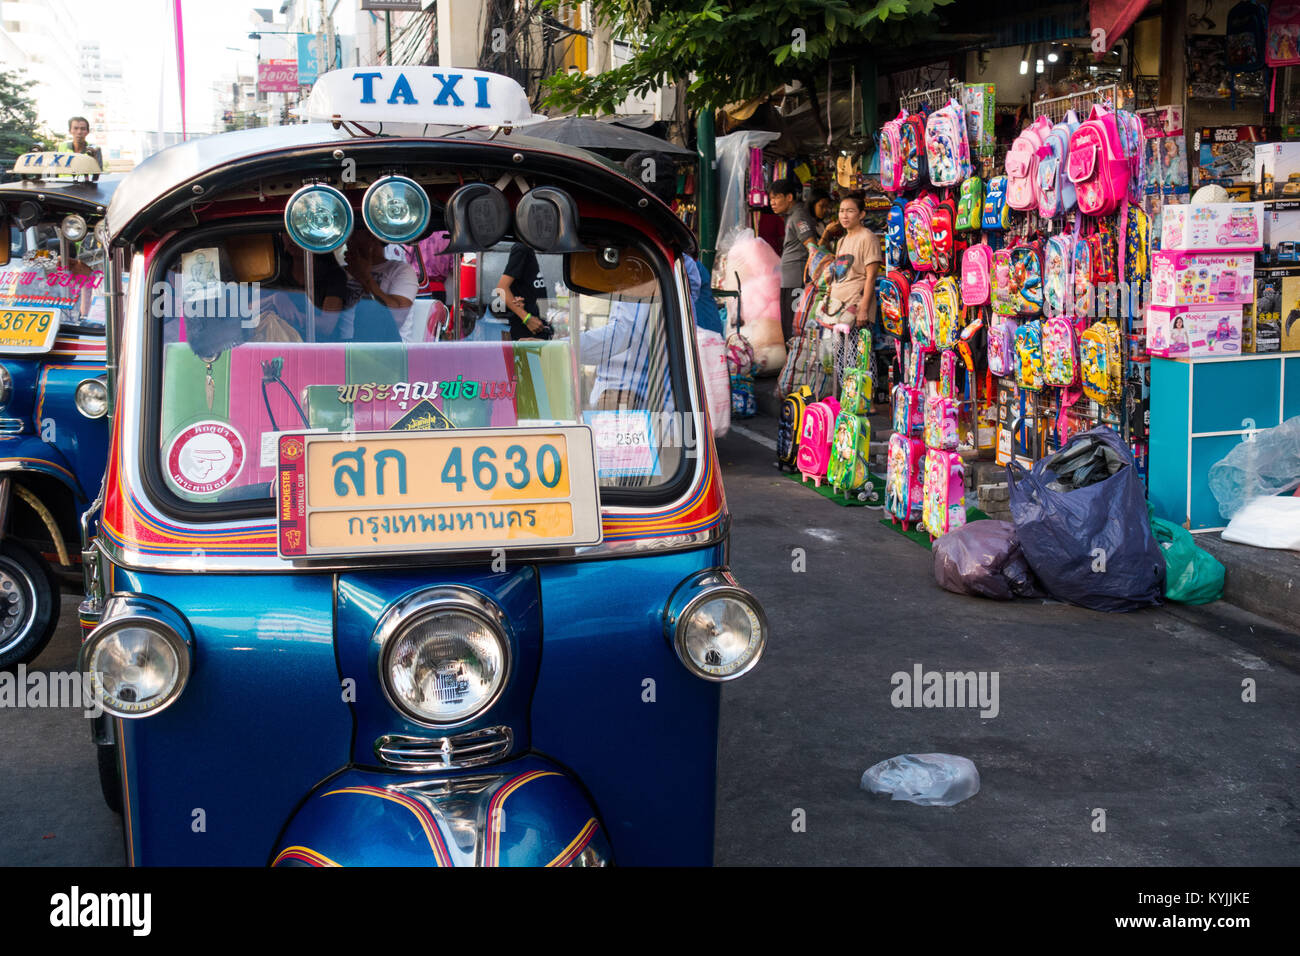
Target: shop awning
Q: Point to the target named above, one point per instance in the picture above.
(1113, 18)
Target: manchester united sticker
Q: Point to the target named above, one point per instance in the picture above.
(205, 457)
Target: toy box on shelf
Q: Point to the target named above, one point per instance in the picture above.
(1277, 303)
(979, 102)
(1277, 170)
(1226, 155)
(1213, 227)
(1202, 278)
(1281, 233)
(1181, 331)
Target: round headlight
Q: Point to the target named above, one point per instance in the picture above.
(444, 658)
(73, 228)
(92, 398)
(137, 667)
(318, 218)
(395, 209)
(6, 386)
(720, 633)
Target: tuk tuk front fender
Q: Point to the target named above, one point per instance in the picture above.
(527, 812)
(27, 453)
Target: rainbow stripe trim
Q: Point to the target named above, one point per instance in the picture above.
(577, 845)
(492, 842)
(303, 854)
(427, 822)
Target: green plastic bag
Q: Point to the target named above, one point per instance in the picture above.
(1192, 574)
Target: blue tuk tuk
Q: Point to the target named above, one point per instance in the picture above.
(369, 597)
(53, 392)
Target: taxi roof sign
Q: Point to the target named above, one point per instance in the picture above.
(422, 95)
(56, 164)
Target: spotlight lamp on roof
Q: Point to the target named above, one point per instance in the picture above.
(396, 209)
(318, 218)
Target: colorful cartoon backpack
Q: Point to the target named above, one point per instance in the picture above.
(948, 373)
(1104, 265)
(894, 290)
(850, 453)
(943, 492)
(946, 146)
(1282, 43)
(855, 391)
(1054, 190)
(1247, 23)
(943, 216)
(904, 479)
(940, 422)
(976, 274)
(1022, 164)
(1098, 165)
(891, 155)
(815, 442)
(1132, 137)
(1027, 278)
(1057, 280)
(1002, 292)
(1137, 246)
(1029, 356)
(947, 313)
(1081, 270)
(1100, 360)
(912, 137)
(970, 204)
(1001, 348)
(918, 226)
(790, 425)
(920, 314)
(896, 235)
(996, 215)
(909, 410)
(1060, 365)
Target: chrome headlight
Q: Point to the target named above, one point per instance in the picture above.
(138, 666)
(395, 209)
(73, 227)
(92, 398)
(443, 655)
(717, 628)
(6, 386)
(318, 218)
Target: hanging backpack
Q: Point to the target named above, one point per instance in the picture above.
(790, 425)
(909, 410)
(1027, 279)
(918, 226)
(1000, 348)
(893, 291)
(757, 195)
(1001, 291)
(996, 215)
(896, 236)
(940, 422)
(1060, 366)
(920, 314)
(891, 155)
(947, 149)
(1022, 164)
(976, 274)
(1057, 288)
(1100, 361)
(1097, 164)
(970, 204)
(1247, 23)
(1029, 356)
(943, 231)
(815, 442)
(1054, 190)
(1081, 269)
(948, 373)
(943, 492)
(1282, 42)
(904, 478)
(912, 136)
(948, 313)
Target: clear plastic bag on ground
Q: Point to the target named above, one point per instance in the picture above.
(984, 558)
(930, 780)
(1267, 462)
(1269, 522)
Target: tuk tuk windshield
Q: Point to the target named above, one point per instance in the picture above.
(50, 275)
(247, 354)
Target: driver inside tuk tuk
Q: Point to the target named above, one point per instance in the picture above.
(285, 300)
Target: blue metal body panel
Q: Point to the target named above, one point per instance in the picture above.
(56, 438)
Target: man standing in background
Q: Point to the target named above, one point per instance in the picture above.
(801, 230)
(79, 129)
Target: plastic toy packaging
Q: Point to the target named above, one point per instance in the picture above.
(1202, 278)
(1213, 227)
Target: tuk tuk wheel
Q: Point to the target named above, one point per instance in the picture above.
(29, 605)
(110, 776)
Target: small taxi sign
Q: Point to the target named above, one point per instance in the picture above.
(56, 164)
(442, 490)
(429, 95)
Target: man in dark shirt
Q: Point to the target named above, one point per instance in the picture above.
(522, 289)
(801, 230)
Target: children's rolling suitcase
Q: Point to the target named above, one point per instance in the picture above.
(790, 426)
(904, 486)
(944, 492)
(815, 441)
(850, 453)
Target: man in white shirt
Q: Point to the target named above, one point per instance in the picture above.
(383, 291)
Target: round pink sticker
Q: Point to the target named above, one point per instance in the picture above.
(205, 457)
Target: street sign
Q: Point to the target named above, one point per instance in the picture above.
(414, 6)
(277, 76)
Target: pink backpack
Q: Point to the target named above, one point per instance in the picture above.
(1060, 351)
(904, 487)
(1022, 165)
(1001, 348)
(891, 155)
(815, 442)
(1097, 164)
(948, 373)
(1058, 288)
(946, 145)
(918, 230)
(976, 272)
(920, 314)
(944, 492)
(940, 422)
(909, 411)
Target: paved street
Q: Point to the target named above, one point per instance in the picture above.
(1140, 715)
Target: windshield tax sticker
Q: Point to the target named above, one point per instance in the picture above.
(205, 458)
(624, 444)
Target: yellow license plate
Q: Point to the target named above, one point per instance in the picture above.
(472, 489)
(26, 331)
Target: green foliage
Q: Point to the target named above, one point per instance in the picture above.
(19, 130)
(733, 49)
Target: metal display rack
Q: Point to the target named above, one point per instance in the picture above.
(930, 99)
(1081, 102)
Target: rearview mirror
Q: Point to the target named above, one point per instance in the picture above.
(607, 270)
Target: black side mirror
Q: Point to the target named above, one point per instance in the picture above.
(547, 219)
(478, 217)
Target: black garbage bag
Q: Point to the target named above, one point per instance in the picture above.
(984, 558)
(1081, 517)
